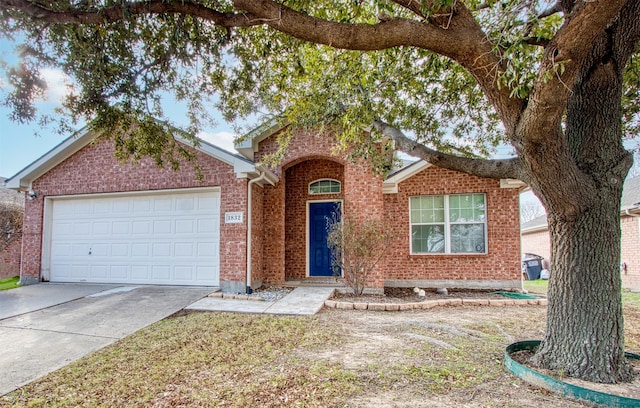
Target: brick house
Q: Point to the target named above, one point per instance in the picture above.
(535, 235)
(90, 218)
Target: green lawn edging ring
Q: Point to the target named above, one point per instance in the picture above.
(560, 387)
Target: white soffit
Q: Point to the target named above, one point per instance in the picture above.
(390, 185)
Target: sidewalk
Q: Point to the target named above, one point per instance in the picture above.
(302, 301)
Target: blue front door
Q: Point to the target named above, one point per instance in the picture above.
(319, 253)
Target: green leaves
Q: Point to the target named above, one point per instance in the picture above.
(130, 66)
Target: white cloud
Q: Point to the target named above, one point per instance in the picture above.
(221, 139)
(58, 85)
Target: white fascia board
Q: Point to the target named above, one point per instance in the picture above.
(390, 185)
(537, 228)
(249, 145)
(512, 183)
(270, 177)
(22, 180)
(240, 165)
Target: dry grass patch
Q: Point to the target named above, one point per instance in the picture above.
(200, 359)
(443, 357)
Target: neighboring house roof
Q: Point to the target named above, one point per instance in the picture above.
(630, 203)
(22, 180)
(631, 195)
(534, 225)
(10, 196)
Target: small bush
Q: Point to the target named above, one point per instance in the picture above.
(11, 216)
(356, 248)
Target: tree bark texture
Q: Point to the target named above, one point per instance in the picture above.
(585, 329)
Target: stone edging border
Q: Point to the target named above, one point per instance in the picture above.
(535, 378)
(428, 304)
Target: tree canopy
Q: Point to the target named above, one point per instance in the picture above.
(446, 80)
(456, 80)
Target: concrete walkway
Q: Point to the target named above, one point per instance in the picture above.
(302, 301)
(26, 299)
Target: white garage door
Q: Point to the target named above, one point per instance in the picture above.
(159, 238)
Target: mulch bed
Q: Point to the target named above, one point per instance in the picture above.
(407, 295)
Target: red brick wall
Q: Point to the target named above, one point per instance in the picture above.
(630, 254)
(364, 200)
(257, 222)
(538, 243)
(10, 259)
(502, 262)
(94, 169)
(297, 195)
(309, 156)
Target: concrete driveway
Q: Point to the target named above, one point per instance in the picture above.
(44, 327)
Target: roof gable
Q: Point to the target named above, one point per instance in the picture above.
(24, 178)
(250, 142)
(390, 185)
(631, 194)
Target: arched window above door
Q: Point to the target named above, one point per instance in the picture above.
(324, 186)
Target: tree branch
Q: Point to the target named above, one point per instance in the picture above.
(463, 41)
(555, 8)
(496, 169)
(111, 14)
(560, 65)
(415, 6)
(540, 42)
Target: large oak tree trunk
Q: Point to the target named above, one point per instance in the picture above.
(585, 331)
(585, 336)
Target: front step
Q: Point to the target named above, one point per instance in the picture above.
(318, 282)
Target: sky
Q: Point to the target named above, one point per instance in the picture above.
(22, 144)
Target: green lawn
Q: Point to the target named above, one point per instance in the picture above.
(9, 283)
(536, 286)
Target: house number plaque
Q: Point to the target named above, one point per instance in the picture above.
(233, 217)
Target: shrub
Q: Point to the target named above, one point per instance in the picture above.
(356, 248)
(11, 216)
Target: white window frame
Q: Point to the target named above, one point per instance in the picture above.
(325, 179)
(447, 226)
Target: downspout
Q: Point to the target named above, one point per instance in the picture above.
(262, 177)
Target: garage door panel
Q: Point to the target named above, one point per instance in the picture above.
(99, 272)
(184, 273)
(79, 271)
(160, 272)
(207, 225)
(158, 238)
(140, 249)
(183, 249)
(185, 204)
(140, 272)
(184, 226)
(140, 227)
(119, 250)
(141, 205)
(101, 228)
(162, 227)
(207, 249)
